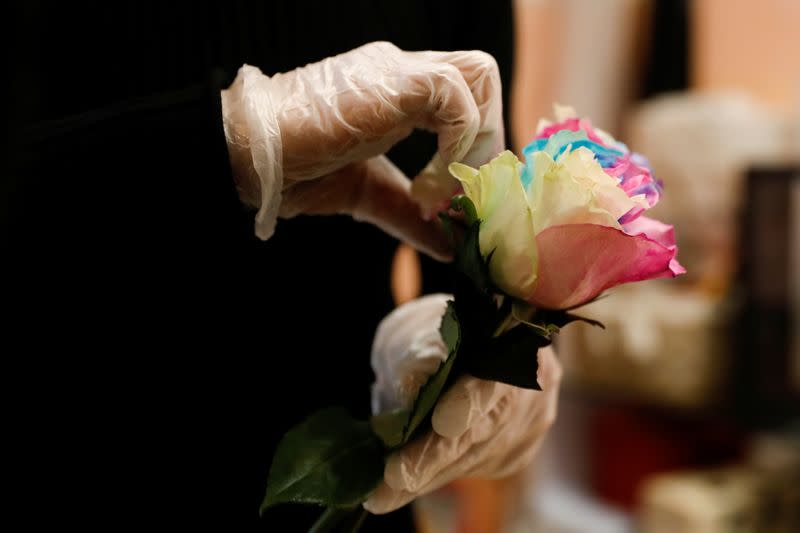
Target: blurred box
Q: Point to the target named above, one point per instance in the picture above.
(761, 495)
(776, 458)
(631, 445)
(663, 345)
(717, 501)
(768, 328)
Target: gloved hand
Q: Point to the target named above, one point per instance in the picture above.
(310, 141)
(480, 428)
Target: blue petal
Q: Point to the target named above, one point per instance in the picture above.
(558, 143)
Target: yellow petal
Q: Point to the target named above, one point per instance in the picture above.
(506, 223)
(574, 190)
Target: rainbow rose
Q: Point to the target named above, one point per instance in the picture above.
(567, 224)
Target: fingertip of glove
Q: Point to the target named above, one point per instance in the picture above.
(451, 416)
(386, 499)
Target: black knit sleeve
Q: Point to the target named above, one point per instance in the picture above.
(155, 168)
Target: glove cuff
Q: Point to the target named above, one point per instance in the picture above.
(254, 137)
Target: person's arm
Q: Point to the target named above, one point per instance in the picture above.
(309, 141)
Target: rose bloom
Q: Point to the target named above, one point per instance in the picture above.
(567, 224)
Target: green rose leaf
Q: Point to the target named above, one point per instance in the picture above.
(468, 258)
(430, 391)
(511, 358)
(390, 426)
(449, 329)
(329, 459)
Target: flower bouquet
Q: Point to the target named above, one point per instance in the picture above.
(533, 241)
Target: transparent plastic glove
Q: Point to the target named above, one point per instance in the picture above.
(311, 141)
(480, 428)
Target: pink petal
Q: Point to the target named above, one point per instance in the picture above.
(619, 168)
(632, 183)
(635, 179)
(675, 269)
(652, 228)
(659, 232)
(631, 215)
(577, 262)
(571, 124)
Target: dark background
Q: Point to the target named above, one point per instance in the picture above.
(156, 350)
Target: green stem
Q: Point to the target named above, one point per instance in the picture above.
(360, 521)
(503, 326)
(329, 519)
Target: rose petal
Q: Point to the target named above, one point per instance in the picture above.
(546, 129)
(578, 262)
(507, 231)
(652, 228)
(574, 190)
(660, 232)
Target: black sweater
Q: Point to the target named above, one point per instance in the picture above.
(156, 349)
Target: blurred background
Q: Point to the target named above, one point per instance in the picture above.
(684, 415)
